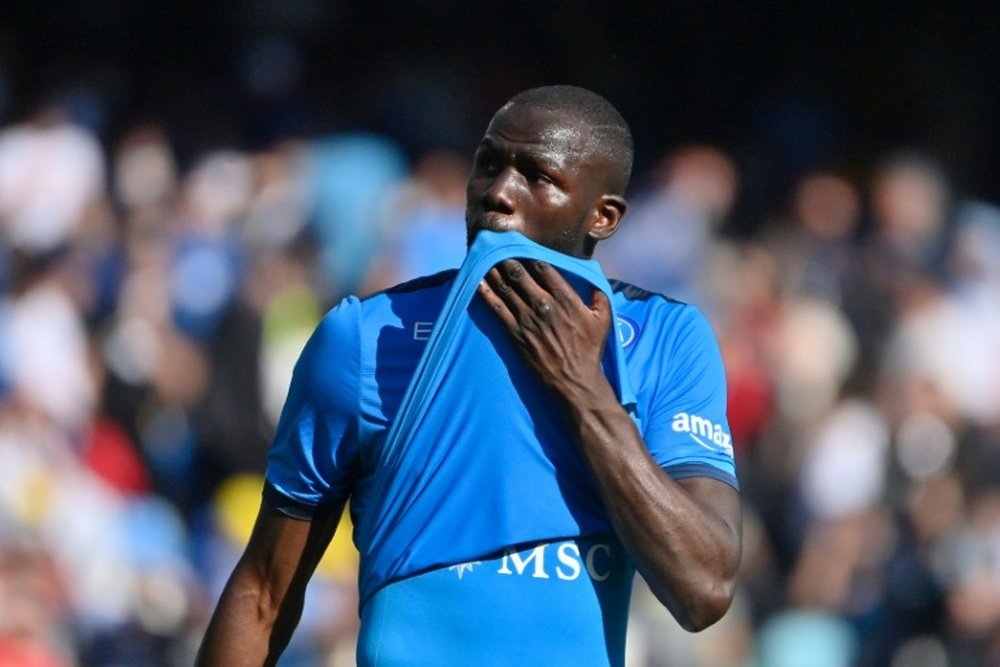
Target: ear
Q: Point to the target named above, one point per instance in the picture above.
(607, 217)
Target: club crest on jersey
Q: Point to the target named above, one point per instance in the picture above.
(704, 431)
(628, 330)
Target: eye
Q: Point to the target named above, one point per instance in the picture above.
(487, 163)
(538, 176)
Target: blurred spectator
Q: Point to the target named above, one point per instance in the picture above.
(51, 173)
(277, 214)
(291, 310)
(351, 177)
(808, 383)
(941, 356)
(800, 637)
(906, 250)
(910, 201)
(844, 468)
(145, 173)
(969, 564)
(32, 611)
(742, 284)
(666, 238)
(44, 352)
(426, 231)
(816, 246)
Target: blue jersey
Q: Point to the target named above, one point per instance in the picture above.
(413, 404)
(554, 603)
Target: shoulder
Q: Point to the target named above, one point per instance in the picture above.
(331, 354)
(416, 294)
(413, 306)
(631, 299)
(634, 293)
(658, 314)
(339, 325)
(416, 286)
(356, 319)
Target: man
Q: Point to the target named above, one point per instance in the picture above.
(645, 480)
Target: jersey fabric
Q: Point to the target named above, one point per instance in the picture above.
(413, 404)
(554, 603)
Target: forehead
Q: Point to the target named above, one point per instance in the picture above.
(557, 133)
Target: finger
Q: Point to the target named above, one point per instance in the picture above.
(496, 304)
(517, 276)
(553, 282)
(532, 300)
(504, 291)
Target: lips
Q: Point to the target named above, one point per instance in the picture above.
(495, 222)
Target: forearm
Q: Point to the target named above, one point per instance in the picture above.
(248, 627)
(685, 550)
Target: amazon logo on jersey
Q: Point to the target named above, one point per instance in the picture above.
(705, 432)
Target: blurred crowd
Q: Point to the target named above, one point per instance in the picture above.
(150, 316)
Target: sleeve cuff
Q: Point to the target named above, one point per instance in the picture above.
(287, 506)
(686, 470)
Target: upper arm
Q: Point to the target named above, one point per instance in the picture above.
(686, 429)
(283, 552)
(263, 598)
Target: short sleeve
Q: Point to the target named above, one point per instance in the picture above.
(686, 428)
(313, 458)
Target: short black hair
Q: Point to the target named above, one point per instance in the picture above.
(611, 134)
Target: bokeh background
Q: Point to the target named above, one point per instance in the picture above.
(185, 187)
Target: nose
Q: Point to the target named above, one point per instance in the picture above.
(500, 194)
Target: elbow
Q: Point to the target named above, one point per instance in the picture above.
(250, 592)
(267, 611)
(273, 611)
(707, 606)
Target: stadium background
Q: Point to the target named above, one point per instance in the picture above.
(185, 188)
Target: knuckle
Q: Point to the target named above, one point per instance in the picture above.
(515, 271)
(544, 309)
(561, 296)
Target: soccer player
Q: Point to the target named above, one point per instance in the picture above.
(512, 465)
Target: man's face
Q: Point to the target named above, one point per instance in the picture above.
(533, 173)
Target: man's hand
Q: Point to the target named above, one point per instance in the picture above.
(558, 336)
